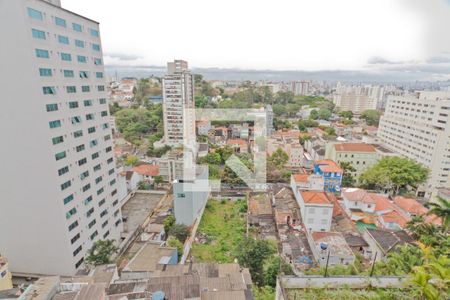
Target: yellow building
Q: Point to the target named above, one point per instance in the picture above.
(5, 275)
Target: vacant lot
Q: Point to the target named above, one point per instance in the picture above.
(222, 227)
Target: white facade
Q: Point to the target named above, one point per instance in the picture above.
(300, 88)
(59, 190)
(417, 127)
(357, 98)
(316, 213)
(178, 104)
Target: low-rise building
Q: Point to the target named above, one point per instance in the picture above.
(331, 247)
(383, 241)
(361, 156)
(147, 171)
(316, 210)
(238, 145)
(203, 127)
(331, 173)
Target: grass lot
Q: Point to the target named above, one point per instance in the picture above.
(224, 224)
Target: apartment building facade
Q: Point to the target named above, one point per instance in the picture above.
(178, 104)
(418, 127)
(59, 189)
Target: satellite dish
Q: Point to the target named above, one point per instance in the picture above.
(323, 246)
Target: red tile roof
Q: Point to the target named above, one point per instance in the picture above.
(328, 165)
(381, 202)
(356, 194)
(395, 217)
(315, 197)
(240, 142)
(300, 177)
(410, 205)
(354, 147)
(147, 170)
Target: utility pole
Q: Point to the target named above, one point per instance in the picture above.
(373, 264)
(326, 266)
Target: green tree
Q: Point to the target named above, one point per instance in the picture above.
(174, 242)
(347, 179)
(324, 114)
(180, 231)
(279, 110)
(100, 253)
(158, 179)
(393, 173)
(276, 266)
(131, 160)
(314, 115)
(330, 131)
(304, 138)
(441, 208)
(142, 185)
(168, 223)
(279, 158)
(372, 116)
(252, 254)
(346, 114)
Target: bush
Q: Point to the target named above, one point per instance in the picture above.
(179, 231)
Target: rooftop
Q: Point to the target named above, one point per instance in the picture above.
(387, 239)
(151, 257)
(328, 165)
(138, 208)
(410, 205)
(356, 194)
(354, 147)
(336, 242)
(314, 197)
(147, 170)
(300, 177)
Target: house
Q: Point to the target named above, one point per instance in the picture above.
(131, 180)
(383, 241)
(203, 127)
(313, 182)
(331, 174)
(411, 207)
(361, 156)
(239, 145)
(330, 246)
(316, 210)
(147, 171)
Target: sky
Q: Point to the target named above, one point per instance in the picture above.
(362, 35)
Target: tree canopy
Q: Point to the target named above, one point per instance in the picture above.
(372, 116)
(100, 253)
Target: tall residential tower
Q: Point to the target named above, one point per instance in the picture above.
(58, 185)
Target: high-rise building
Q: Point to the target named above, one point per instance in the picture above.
(300, 88)
(178, 104)
(357, 98)
(58, 186)
(418, 127)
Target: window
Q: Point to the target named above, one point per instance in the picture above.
(38, 34)
(110, 172)
(112, 182)
(78, 133)
(49, 90)
(181, 195)
(41, 53)
(93, 143)
(115, 203)
(96, 47)
(107, 137)
(68, 199)
(84, 74)
(99, 74)
(45, 72)
(324, 222)
(97, 168)
(310, 221)
(85, 89)
(100, 191)
(66, 57)
(57, 140)
(79, 148)
(93, 32)
(73, 104)
(60, 22)
(108, 149)
(78, 264)
(97, 61)
(65, 185)
(311, 210)
(113, 192)
(68, 73)
(71, 89)
(86, 187)
(75, 238)
(110, 160)
(90, 212)
(104, 113)
(35, 14)
(76, 120)
(51, 107)
(79, 43)
(102, 100)
(103, 213)
(101, 88)
(77, 27)
(325, 211)
(71, 212)
(84, 175)
(90, 117)
(81, 59)
(91, 129)
(54, 124)
(88, 200)
(63, 171)
(95, 155)
(82, 161)
(92, 223)
(94, 235)
(87, 102)
(105, 126)
(104, 224)
(78, 250)
(62, 39)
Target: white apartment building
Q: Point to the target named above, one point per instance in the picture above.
(418, 127)
(178, 104)
(357, 98)
(58, 185)
(300, 88)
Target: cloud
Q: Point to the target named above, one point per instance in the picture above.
(378, 60)
(439, 60)
(123, 56)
